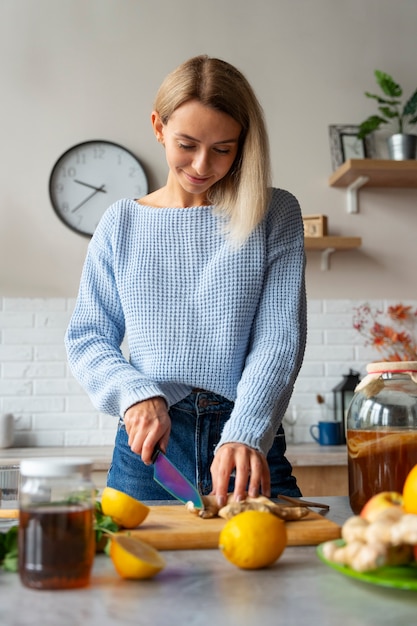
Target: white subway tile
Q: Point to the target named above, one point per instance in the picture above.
(34, 304)
(52, 319)
(16, 353)
(51, 353)
(70, 421)
(62, 387)
(16, 320)
(33, 404)
(34, 370)
(15, 388)
(33, 336)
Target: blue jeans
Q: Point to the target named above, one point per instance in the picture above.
(197, 423)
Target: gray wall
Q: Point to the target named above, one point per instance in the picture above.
(73, 70)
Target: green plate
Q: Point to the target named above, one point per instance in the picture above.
(399, 577)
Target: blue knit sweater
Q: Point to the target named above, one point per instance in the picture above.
(196, 312)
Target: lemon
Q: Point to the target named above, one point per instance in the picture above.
(126, 511)
(253, 539)
(410, 492)
(133, 558)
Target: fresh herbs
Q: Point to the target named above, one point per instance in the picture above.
(8, 550)
(103, 524)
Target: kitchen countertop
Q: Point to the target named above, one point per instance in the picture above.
(201, 588)
(304, 454)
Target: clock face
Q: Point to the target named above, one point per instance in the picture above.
(89, 177)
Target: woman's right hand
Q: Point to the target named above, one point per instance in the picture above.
(147, 424)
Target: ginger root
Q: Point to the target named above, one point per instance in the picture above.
(232, 508)
(358, 555)
(387, 540)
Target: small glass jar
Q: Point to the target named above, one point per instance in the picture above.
(56, 523)
(382, 431)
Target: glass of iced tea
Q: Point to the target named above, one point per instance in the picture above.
(382, 431)
(56, 523)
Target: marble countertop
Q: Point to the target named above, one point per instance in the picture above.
(307, 454)
(201, 588)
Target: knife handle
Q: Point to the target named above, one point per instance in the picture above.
(155, 453)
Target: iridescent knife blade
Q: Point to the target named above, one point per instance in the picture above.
(172, 480)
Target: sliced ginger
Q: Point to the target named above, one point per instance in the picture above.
(232, 508)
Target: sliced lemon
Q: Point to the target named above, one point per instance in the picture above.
(133, 558)
(253, 539)
(126, 511)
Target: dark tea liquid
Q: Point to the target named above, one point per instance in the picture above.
(56, 547)
(378, 460)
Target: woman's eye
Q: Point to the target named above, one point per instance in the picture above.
(185, 146)
(222, 150)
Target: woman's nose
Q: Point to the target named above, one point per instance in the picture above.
(201, 162)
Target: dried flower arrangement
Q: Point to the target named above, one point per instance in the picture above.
(395, 339)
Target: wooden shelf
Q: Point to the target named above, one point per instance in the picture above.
(338, 243)
(329, 244)
(379, 173)
(357, 173)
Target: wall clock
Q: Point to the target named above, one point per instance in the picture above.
(89, 177)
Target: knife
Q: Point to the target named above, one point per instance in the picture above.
(172, 480)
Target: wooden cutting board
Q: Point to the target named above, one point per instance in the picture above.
(175, 528)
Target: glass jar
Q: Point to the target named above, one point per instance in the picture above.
(56, 523)
(382, 431)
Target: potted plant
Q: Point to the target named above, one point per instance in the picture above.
(402, 144)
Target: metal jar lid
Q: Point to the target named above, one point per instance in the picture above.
(56, 467)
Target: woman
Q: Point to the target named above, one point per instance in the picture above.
(205, 278)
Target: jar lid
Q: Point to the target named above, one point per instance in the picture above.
(373, 382)
(55, 466)
(391, 366)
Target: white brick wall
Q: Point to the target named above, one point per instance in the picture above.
(51, 409)
(49, 406)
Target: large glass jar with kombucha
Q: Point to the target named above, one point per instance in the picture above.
(382, 431)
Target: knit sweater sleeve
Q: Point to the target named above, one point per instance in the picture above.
(278, 335)
(97, 327)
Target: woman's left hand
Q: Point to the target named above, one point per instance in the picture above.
(251, 471)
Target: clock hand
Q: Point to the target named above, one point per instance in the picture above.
(80, 182)
(87, 198)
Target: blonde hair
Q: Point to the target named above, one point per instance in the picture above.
(242, 195)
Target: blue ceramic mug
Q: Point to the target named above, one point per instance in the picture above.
(327, 433)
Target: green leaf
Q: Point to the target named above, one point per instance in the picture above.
(410, 106)
(11, 561)
(369, 125)
(382, 100)
(389, 112)
(388, 85)
(103, 523)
